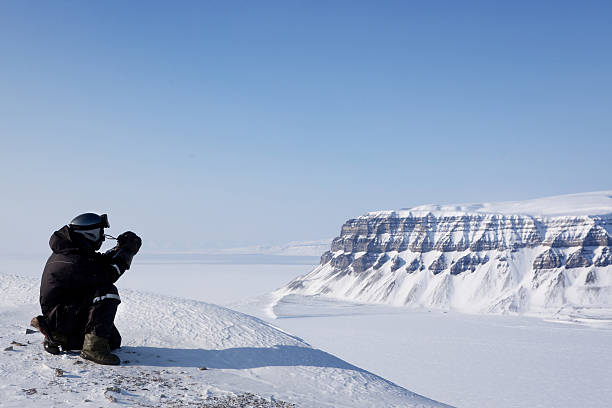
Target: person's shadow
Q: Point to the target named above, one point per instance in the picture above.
(232, 358)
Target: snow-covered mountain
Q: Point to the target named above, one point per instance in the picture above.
(549, 255)
(178, 353)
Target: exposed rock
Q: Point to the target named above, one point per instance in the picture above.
(605, 258)
(58, 372)
(372, 245)
(446, 244)
(421, 243)
(342, 261)
(397, 263)
(489, 232)
(591, 277)
(326, 257)
(468, 262)
(597, 236)
(555, 291)
(350, 244)
(381, 261)
(364, 262)
(438, 265)
(414, 266)
(579, 259)
(548, 259)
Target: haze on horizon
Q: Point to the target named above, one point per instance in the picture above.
(211, 125)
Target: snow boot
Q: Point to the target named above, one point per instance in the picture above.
(97, 349)
(54, 342)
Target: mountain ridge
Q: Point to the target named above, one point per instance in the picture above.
(489, 260)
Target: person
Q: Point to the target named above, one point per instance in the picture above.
(78, 297)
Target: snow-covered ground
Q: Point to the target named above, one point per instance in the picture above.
(460, 359)
(180, 352)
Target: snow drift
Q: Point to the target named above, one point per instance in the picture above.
(179, 352)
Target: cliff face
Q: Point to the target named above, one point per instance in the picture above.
(472, 261)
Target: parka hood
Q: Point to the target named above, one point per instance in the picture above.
(63, 241)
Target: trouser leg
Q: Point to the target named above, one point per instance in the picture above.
(64, 318)
(115, 339)
(102, 313)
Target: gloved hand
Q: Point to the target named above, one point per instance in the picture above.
(129, 241)
(128, 245)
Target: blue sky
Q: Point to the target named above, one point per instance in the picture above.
(216, 124)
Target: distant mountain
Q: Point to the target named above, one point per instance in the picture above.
(294, 248)
(549, 255)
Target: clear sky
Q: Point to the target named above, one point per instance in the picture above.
(224, 123)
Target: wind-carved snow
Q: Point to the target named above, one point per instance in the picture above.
(179, 352)
(544, 256)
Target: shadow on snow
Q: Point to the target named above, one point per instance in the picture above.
(232, 358)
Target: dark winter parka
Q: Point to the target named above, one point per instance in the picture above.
(75, 271)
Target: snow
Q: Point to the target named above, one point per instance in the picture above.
(485, 258)
(592, 203)
(506, 283)
(294, 249)
(463, 360)
(217, 280)
(167, 343)
(460, 359)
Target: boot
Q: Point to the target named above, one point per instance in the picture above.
(54, 342)
(96, 349)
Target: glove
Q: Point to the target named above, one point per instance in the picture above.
(128, 245)
(129, 241)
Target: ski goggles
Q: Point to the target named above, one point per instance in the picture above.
(91, 221)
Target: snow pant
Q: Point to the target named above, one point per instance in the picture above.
(96, 315)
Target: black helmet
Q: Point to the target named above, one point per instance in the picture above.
(91, 226)
(89, 221)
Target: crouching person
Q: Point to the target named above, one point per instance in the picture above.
(78, 297)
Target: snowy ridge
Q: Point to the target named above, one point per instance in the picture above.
(476, 258)
(592, 203)
(167, 344)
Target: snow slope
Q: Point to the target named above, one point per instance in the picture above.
(167, 344)
(467, 360)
